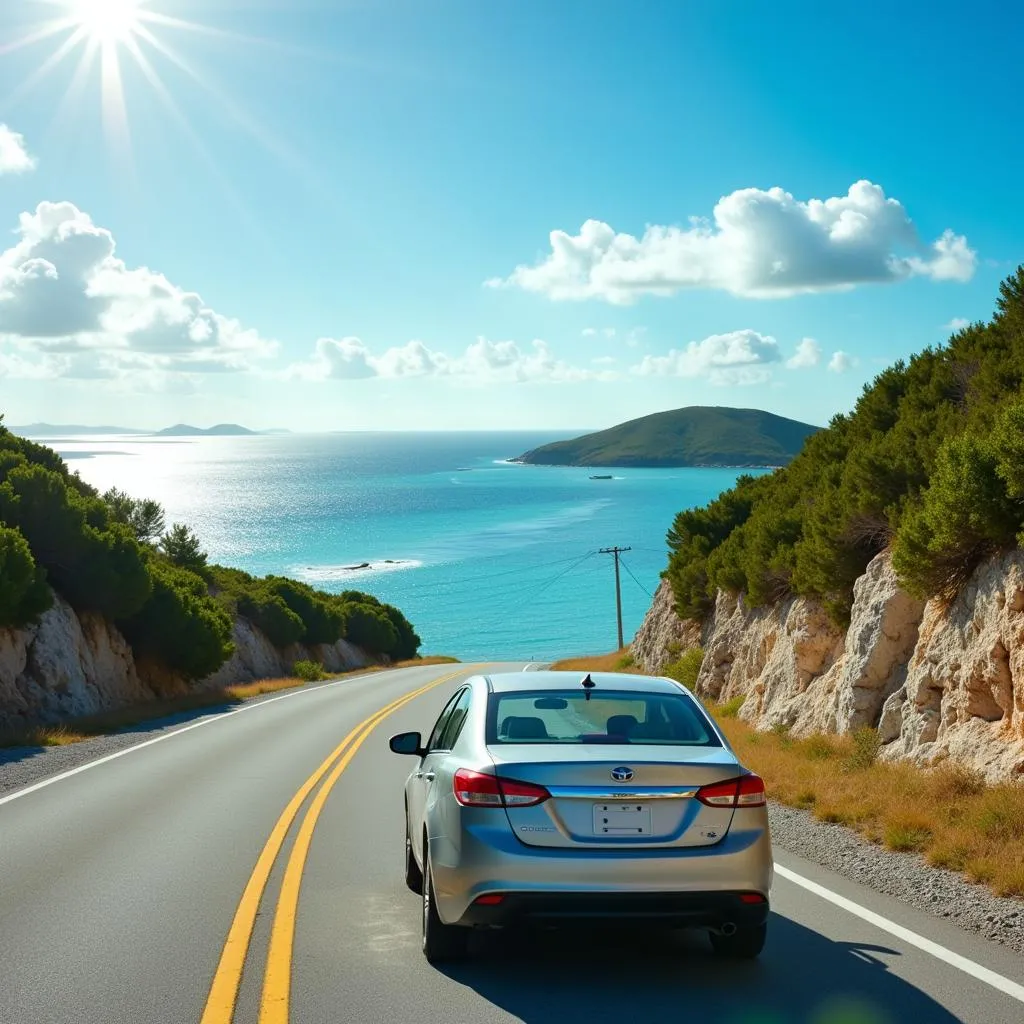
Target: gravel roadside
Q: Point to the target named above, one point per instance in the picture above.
(905, 876)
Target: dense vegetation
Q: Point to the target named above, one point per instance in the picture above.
(695, 436)
(930, 464)
(113, 555)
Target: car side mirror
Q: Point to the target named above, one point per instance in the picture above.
(406, 743)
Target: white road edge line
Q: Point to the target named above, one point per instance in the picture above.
(989, 977)
(17, 794)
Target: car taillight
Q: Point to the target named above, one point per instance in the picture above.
(478, 789)
(746, 791)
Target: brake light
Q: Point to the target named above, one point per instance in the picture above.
(478, 789)
(490, 900)
(746, 791)
(752, 897)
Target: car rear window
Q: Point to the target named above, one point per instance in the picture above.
(623, 717)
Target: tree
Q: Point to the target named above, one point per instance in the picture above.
(24, 595)
(144, 517)
(182, 548)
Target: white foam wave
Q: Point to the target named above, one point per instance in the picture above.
(353, 570)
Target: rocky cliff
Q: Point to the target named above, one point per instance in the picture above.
(70, 664)
(937, 680)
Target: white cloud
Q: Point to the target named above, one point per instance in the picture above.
(484, 361)
(807, 354)
(958, 323)
(760, 244)
(66, 298)
(739, 357)
(589, 332)
(14, 156)
(841, 362)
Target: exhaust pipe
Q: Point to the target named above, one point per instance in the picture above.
(727, 929)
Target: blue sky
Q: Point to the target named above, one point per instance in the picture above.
(331, 215)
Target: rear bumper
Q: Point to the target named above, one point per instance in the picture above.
(688, 909)
(484, 857)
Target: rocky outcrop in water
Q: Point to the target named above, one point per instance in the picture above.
(938, 681)
(71, 664)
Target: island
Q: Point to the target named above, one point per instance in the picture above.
(219, 430)
(694, 436)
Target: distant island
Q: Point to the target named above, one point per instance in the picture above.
(219, 430)
(694, 436)
(178, 430)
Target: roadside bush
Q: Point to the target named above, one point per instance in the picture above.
(180, 625)
(24, 595)
(731, 707)
(686, 669)
(309, 671)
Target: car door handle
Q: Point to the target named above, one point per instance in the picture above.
(429, 776)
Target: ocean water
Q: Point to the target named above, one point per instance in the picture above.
(487, 559)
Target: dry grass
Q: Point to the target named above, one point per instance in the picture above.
(86, 727)
(947, 814)
(617, 661)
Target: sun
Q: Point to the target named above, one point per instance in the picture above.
(108, 21)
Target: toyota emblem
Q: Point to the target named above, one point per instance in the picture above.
(622, 774)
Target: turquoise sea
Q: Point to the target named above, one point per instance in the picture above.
(488, 559)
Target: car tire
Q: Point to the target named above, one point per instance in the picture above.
(413, 874)
(744, 944)
(441, 942)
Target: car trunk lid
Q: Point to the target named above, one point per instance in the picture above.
(642, 799)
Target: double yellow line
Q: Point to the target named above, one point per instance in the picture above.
(220, 1004)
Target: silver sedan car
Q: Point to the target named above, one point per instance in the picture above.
(552, 796)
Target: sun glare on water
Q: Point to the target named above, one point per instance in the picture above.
(108, 21)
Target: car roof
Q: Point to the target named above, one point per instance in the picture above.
(510, 682)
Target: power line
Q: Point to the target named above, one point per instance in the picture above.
(635, 580)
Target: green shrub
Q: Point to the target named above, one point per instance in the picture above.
(686, 669)
(180, 625)
(322, 619)
(24, 595)
(866, 745)
(93, 562)
(371, 629)
(731, 707)
(310, 671)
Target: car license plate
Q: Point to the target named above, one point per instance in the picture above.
(622, 819)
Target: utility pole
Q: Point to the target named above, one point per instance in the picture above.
(618, 590)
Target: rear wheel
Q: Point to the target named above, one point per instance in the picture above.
(744, 944)
(441, 942)
(413, 874)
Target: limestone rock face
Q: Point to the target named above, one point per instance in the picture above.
(662, 632)
(71, 664)
(65, 665)
(937, 681)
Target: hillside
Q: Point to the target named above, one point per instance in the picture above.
(694, 436)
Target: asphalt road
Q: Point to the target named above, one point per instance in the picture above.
(121, 900)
